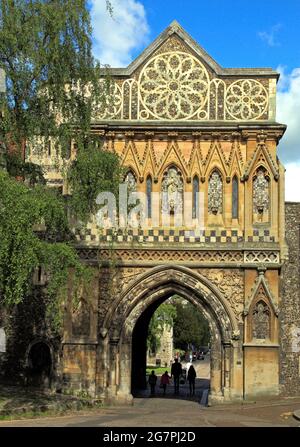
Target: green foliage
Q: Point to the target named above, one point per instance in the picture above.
(52, 83)
(93, 171)
(162, 317)
(45, 51)
(30, 172)
(23, 211)
(190, 327)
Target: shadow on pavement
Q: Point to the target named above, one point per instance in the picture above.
(201, 392)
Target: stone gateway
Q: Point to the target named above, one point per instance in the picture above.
(186, 128)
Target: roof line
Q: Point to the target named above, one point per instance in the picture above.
(176, 28)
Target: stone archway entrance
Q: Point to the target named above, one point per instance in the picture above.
(140, 351)
(140, 300)
(39, 365)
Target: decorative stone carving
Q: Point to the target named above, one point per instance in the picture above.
(231, 284)
(138, 255)
(261, 321)
(111, 103)
(267, 256)
(215, 194)
(172, 191)
(174, 86)
(246, 99)
(261, 195)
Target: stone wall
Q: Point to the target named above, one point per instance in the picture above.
(290, 305)
(165, 351)
(27, 325)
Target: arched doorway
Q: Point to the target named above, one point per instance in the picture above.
(141, 298)
(39, 361)
(175, 332)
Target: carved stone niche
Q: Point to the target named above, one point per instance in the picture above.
(261, 321)
(130, 179)
(215, 193)
(261, 196)
(172, 191)
(81, 319)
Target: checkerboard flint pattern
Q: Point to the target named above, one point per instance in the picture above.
(169, 235)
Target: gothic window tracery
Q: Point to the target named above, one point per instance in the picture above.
(172, 191)
(174, 85)
(215, 193)
(246, 99)
(261, 321)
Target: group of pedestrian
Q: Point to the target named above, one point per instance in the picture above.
(176, 374)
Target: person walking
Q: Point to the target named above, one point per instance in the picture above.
(191, 379)
(152, 382)
(176, 372)
(164, 381)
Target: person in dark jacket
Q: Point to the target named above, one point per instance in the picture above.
(176, 372)
(191, 379)
(152, 382)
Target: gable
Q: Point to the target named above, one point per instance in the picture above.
(174, 79)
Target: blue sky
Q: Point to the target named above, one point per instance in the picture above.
(236, 33)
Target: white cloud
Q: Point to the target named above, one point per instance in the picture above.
(115, 37)
(288, 112)
(292, 182)
(270, 36)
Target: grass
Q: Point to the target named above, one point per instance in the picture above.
(158, 369)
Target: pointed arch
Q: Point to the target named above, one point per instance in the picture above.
(261, 313)
(131, 179)
(173, 156)
(220, 159)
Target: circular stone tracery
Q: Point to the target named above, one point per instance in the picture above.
(246, 99)
(174, 86)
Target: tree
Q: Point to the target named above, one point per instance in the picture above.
(190, 327)
(52, 82)
(163, 317)
(45, 51)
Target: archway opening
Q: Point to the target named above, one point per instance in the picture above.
(172, 327)
(39, 365)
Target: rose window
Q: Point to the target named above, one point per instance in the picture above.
(246, 99)
(174, 86)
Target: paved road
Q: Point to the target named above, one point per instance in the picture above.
(160, 412)
(177, 411)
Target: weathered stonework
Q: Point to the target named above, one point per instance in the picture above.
(222, 137)
(290, 305)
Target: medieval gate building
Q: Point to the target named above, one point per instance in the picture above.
(183, 124)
